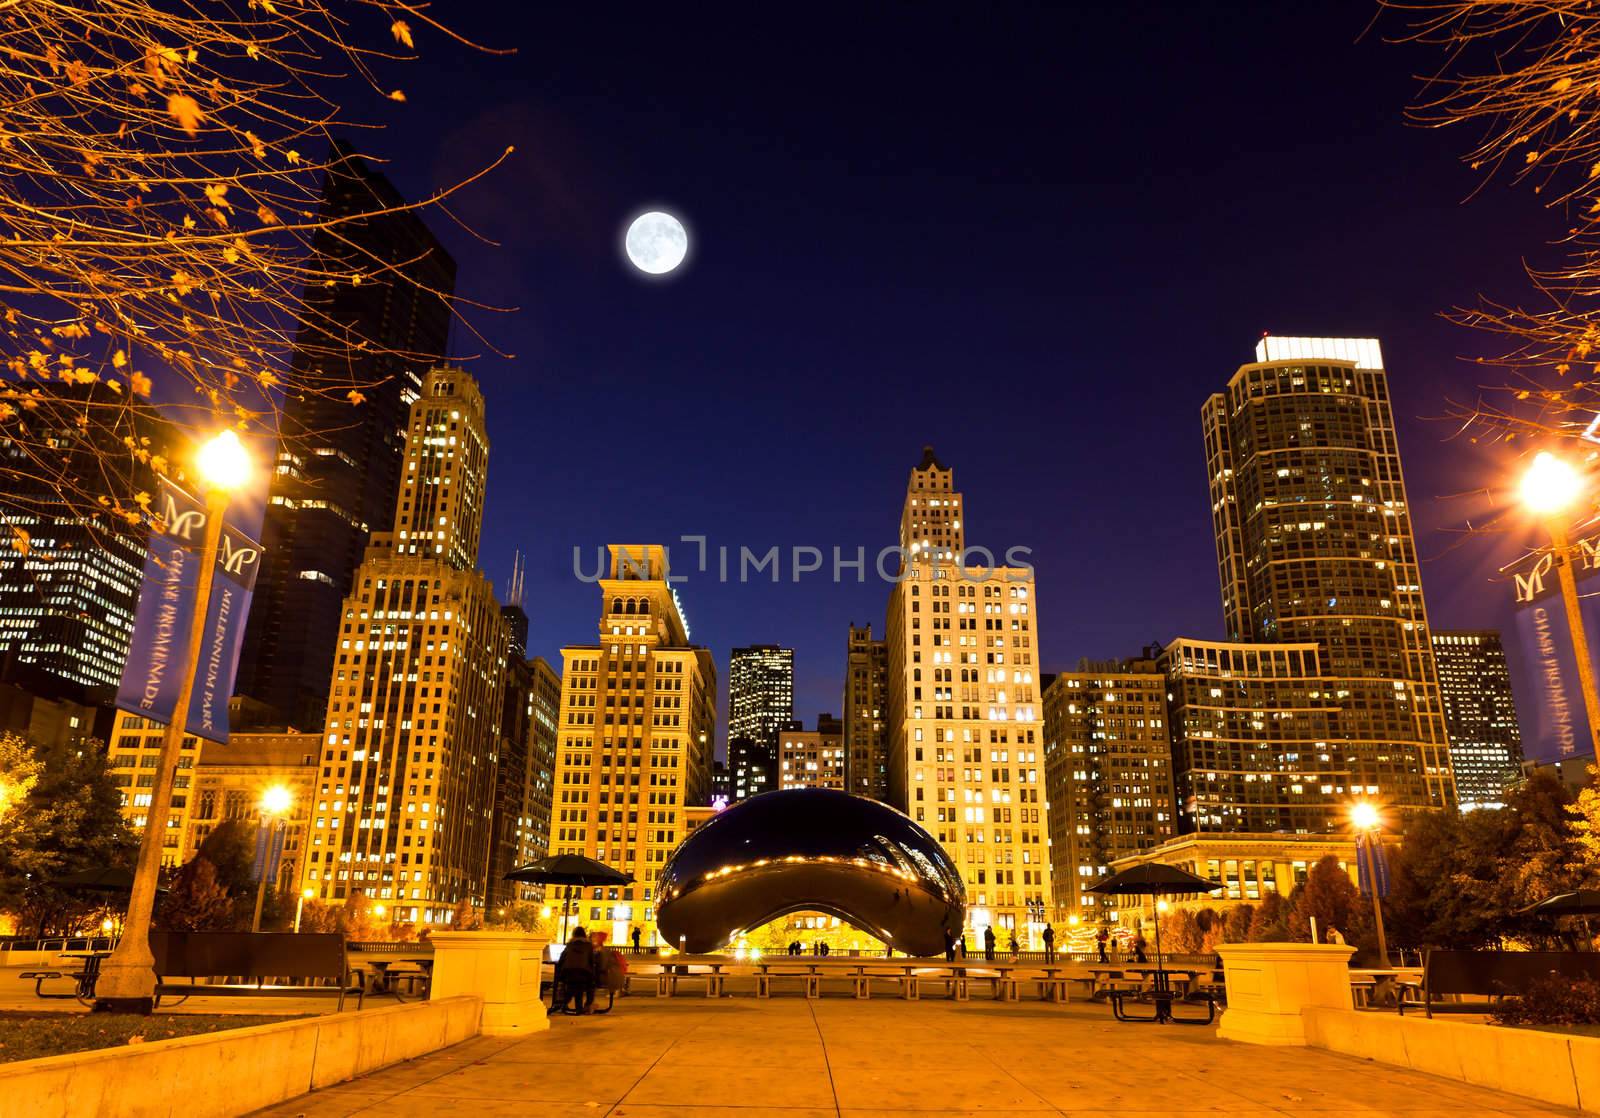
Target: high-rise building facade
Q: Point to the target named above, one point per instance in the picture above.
(1480, 714)
(1108, 775)
(521, 827)
(866, 726)
(68, 584)
(340, 465)
(812, 758)
(760, 705)
(965, 736)
(1254, 747)
(638, 715)
(412, 732)
(1315, 545)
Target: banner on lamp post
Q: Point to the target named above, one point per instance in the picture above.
(1372, 865)
(160, 645)
(1555, 723)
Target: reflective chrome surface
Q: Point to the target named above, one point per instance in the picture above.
(816, 850)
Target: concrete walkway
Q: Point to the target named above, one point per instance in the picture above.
(738, 1058)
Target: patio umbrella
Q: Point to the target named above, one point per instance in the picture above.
(1154, 880)
(100, 879)
(569, 870)
(1582, 902)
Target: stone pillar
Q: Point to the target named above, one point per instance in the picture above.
(502, 968)
(1270, 983)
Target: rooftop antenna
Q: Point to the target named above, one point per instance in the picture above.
(518, 573)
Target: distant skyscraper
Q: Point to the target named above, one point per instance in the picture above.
(812, 758)
(339, 464)
(760, 704)
(965, 739)
(752, 767)
(412, 731)
(866, 726)
(524, 770)
(1315, 544)
(68, 588)
(516, 617)
(638, 711)
(1485, 738)
(1108, 775)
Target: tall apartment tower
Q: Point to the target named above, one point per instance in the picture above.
(521, 825)
(69, 586)
(965, 737)
(638, 715)
(866, 697)
(339, 464)
(1315, 545)
(411, 738)
(1108, 775)
(812, 758)
(760, 705)
(1481, 715)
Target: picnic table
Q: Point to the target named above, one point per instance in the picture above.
(386, 982)
(1375, 986)
(84, 977)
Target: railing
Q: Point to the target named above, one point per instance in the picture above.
(388, 947)
(55, 943)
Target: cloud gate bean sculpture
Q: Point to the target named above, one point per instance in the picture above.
(815, 850)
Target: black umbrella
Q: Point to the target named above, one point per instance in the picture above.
(1152, 879)
(1582, 902)
(569, 870)
(100, 879)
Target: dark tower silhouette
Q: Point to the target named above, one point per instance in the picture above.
(338, 468)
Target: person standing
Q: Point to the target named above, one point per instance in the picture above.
(949, 946)
(1138, 948)
(1049, 942)
(637, 936)
(988, 943)
(1013, 945)
(1101, 938)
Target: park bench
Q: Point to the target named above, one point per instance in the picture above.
(1489, 975)
(906, 982)
(809, 980)
(242, 963)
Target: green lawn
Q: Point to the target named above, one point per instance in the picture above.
(26, 1036)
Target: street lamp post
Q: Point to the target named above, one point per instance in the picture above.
(1548, 489)
(300, 904)
(127, 980)
(1367, 822)
(275, 802)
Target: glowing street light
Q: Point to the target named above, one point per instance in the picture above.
(275, 804)
(127, 981)
(300, 904)
(1367, 821)
(1549, 488)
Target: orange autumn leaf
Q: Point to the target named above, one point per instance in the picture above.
(186, 111)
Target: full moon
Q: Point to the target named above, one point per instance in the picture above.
(656, 242)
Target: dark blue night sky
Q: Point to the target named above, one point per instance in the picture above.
(1034, 237)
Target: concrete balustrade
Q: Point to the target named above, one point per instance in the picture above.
(502, 968)
(1271, 984)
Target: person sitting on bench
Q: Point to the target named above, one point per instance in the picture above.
(575, 974)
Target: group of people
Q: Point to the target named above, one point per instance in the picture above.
(956, 946)
(818, 948)
(586, 966)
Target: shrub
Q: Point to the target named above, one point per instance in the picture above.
(1555, 999)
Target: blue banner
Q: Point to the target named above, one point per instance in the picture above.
(269, 853)
(1367, 846)
(160, 644)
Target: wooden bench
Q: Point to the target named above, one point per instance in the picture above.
(1490, 975)
(183, 958)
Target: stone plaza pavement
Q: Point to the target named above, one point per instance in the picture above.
(790, 1058)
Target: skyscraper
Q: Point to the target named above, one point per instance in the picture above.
(69, 586)
(525, 760)
(812, 758)
(1108, 775)
(412, 732)
(760, 704)
(638, 714)
(866, 696)
(339, 462)
(1315, 545)
(1481, 714)
(965, 739)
